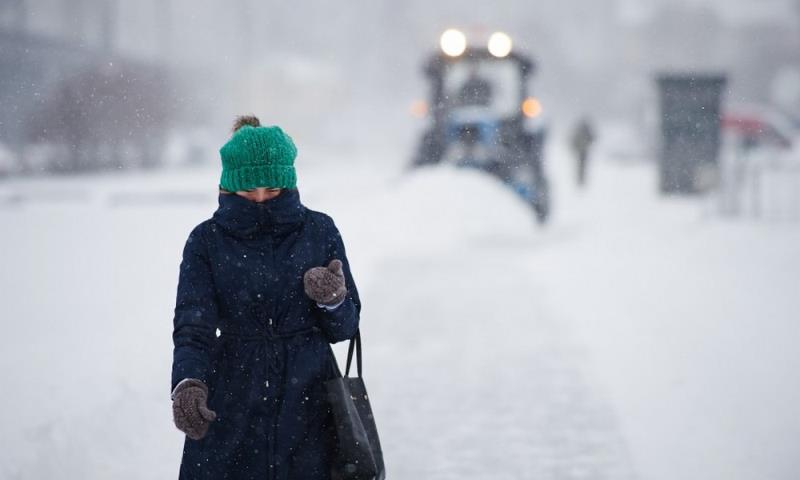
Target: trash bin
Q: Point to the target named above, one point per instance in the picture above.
(690, 131)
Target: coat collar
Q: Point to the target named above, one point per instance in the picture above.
(242, 217)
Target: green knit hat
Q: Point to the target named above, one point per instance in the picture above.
(258, 157)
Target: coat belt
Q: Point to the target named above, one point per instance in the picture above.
(267, 335)
(274, 342)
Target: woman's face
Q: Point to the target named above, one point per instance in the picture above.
(259, 194)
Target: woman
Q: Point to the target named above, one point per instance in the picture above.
(264, 289)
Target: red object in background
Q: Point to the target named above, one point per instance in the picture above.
(755, 128)
(743, 124)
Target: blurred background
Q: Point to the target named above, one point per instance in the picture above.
(575, 224)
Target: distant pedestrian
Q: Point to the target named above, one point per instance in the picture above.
(264, 289)
(582, 138)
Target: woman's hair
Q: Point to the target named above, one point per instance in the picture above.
(243, 120)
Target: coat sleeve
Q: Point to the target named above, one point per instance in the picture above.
(196, 314)
(341, 322)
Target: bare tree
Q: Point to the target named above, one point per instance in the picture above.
(109, 115)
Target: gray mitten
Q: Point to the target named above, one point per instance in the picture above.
(325, 285)
(189, 409)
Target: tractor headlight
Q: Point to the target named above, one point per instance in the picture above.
(499, 44)
(453, 42)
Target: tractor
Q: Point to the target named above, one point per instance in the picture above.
(483, 116)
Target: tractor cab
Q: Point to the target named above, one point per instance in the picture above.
(481, 112)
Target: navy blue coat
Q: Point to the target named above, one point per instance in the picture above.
(244, 326)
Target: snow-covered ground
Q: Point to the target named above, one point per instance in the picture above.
(634, 337)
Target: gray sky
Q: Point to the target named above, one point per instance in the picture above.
(735, 11)
(323, 60)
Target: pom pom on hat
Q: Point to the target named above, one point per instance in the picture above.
(243, 120)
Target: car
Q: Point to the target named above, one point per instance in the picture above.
(761, 136)
(759, 126)
(482, 116)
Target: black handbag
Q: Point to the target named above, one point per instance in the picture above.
(357, 454)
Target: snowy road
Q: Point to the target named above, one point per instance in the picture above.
(633, 338)
(480, 388)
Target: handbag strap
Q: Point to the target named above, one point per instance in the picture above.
(354, 342)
